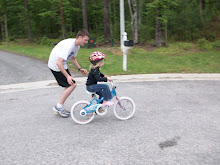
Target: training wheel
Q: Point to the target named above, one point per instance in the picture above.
(101, 109)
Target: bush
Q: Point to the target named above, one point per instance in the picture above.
(184, 45)
(204, 44)
(11, 38)
(216, 44)
(46, 41)
(70, 35)
(100, 39)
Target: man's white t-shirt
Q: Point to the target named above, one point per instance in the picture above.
(64, 49)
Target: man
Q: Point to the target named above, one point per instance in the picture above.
(61, 53)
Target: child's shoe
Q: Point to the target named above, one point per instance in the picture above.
(108, 103)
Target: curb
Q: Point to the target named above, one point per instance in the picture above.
(120, 78)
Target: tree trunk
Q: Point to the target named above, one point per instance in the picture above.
(114, 20)
(30, 38)
(200, 4)
(63, 20)
(1, 36)
(71, 27)
(201, 11)
(106, 21)
(84, 12)
(140, 18)
(134, 20)
(159, 34)
(165, 13)
(6, 30)
(78, 19)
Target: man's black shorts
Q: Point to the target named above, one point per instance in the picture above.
(61, 79)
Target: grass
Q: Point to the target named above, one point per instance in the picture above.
(177, 58)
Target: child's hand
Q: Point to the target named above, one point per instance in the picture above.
(109, 79)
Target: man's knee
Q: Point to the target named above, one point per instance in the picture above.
(72, 86)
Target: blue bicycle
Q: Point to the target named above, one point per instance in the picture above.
(83, 112)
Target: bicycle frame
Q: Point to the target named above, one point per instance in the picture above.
(124, 108)
(90, 109)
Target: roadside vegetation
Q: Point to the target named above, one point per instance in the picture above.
(179, 57)
(170, 36)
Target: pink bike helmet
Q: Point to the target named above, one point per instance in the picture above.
(96, 57)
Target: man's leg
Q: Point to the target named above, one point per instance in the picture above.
(67, 91)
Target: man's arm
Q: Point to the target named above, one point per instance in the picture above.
(62, 69)
(75, 62)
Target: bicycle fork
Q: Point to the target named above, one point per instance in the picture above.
(119, 102)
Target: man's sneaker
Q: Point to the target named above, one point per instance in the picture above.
(67, 112)
(55, 109)
(60, 111)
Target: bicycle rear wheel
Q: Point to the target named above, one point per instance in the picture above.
(77, 115)
(124, 108)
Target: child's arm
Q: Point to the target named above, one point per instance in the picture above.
(100, 77)
(108, 78)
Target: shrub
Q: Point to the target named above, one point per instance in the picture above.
(184, 45)
(204, 44)
(216, 44)
(46, 41)
(11, 38)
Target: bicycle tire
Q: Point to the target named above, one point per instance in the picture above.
(75, 113)
(127, 112)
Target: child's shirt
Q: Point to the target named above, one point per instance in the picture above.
(95, 76)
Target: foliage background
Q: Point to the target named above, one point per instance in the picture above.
(184, 18)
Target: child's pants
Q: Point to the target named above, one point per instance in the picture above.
(102, 90)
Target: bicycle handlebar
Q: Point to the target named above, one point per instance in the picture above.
(112, 84)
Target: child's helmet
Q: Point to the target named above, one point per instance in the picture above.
(96, 57)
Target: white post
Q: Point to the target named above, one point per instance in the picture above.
(125, 60)
(124, 52)
(123, 35)
(122, 23)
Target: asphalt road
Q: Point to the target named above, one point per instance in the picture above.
(176, 122)
(18, 69)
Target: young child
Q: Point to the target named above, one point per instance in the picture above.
(97, 61)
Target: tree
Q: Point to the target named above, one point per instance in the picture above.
(184, 20)
(28, 21)
(201, 6)
(63, 20)
(3, 7)
(159, 7)
(84, 12)
(6, 30)
(135, 22)
(159, 31)
(107, 32)
(1, 36)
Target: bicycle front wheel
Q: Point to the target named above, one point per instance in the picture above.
(78, 116)
(124, 108)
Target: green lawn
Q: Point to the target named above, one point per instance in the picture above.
(177, 58)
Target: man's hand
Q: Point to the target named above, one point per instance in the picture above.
(84, 71)
(70, 80)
